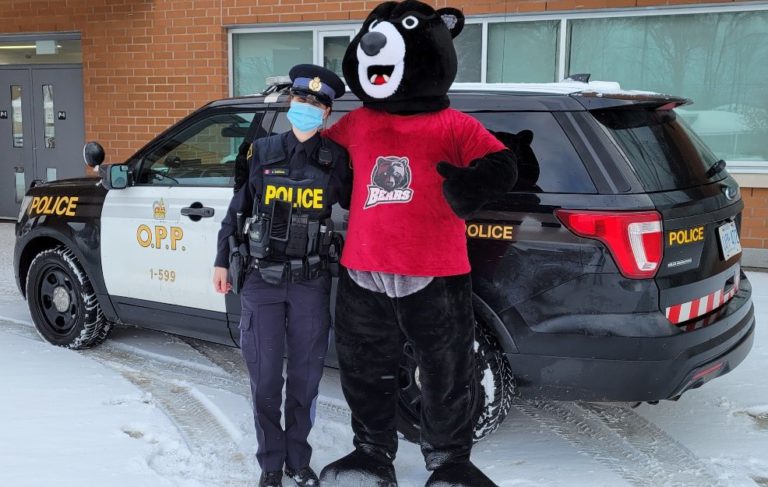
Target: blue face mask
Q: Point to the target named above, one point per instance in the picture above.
(305, 117)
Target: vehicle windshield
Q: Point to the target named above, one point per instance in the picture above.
(664, 152)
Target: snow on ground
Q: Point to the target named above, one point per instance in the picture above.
(151, 409)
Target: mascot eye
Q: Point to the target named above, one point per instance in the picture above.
(370, 27)
(410, 22)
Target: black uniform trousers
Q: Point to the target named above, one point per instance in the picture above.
(296, 315)
(370, 331)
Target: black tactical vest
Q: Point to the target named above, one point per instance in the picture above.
(293, 202)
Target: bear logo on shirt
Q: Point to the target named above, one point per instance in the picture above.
(390, 181)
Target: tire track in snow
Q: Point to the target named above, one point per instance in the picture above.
(121, 357)
(230, 360)
(228, 375)
(612, 435)
(225, 357)
(22, 329)
(216, 454)
(619, 439)
(216, 458)
(231, 377)
(651, 440)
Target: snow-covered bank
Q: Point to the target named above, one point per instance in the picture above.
(151, 409)
(69, 421)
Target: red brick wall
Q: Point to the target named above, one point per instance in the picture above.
(754, 223)
(147, 63)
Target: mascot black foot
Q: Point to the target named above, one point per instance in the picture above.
(362, 467)
(420, 168)
(464, 474)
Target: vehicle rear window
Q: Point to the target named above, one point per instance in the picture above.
(663, 151)
(547, 161)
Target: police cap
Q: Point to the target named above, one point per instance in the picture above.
(316, 81)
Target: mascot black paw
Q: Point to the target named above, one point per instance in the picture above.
(359, 469)
(462, 188)
(468, 188)
(463, 474)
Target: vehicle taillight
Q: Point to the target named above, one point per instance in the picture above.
(635, 239)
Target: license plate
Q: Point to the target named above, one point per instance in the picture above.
(729, 240)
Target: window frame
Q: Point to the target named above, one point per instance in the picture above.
(142, 162)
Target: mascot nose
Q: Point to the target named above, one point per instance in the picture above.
(373, 42)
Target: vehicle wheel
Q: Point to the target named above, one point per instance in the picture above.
(497, 384)
(62, 302)
(492, 392)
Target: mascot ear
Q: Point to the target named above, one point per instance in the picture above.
(526, 136)
(453, 19)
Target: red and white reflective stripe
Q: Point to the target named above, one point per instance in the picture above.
(701, 306)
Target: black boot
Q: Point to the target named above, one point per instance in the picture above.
(359, 469)
(463, 474)
(304, 477)
(271, 479)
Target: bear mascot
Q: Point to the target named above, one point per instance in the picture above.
(420, 168)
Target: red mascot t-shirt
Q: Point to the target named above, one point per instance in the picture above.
(399, 220)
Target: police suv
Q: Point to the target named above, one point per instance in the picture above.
(610, 273)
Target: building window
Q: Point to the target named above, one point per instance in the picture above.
(469, 52)
(522, 52)
(259, 55)
(334, 47)
(716, 59)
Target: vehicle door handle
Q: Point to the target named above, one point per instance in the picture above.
(197, 211)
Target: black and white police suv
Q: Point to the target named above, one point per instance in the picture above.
(610, 273)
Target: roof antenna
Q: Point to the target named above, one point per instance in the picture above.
(580, 77)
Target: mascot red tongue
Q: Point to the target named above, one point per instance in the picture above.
(420, 168)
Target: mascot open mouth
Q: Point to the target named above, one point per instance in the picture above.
(381, 60)
(380, 75)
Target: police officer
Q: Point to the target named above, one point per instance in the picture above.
(295, 177)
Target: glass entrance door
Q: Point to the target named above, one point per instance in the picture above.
(57, 98)
(16, 139)
(41, 129)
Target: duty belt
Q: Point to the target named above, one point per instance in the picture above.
(293, 270)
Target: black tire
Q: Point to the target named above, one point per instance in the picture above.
(62, 301)
(492, 393)
(497, 384)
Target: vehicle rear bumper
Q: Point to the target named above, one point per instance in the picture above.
(619, 368)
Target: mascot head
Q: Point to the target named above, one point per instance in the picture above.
(403, 59)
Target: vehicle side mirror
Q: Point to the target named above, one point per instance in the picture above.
(93, 154)
(118, 176)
